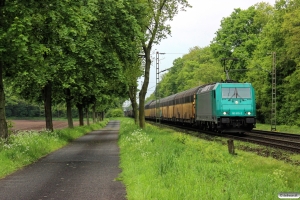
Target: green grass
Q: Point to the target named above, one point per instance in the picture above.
(159, 163)
(279, 128)
(28, 146)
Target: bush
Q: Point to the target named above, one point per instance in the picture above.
(118, 112)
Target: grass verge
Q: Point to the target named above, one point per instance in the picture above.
(159, 163)
(279, 128)
(28, 146)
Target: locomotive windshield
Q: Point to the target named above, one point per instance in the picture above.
(243, 93)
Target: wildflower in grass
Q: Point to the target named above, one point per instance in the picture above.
(137, 140)
(278, 173)
(138, 137)
(182, 138)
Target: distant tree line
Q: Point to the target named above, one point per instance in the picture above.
(23, 109)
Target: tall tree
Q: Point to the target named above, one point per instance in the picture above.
(3, 124)
(280, 36)
(239, 36)
(289, 62)
(14, 27)
(132, 73)
(155, 28)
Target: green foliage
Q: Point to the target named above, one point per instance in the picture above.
(82, 47)
(10, 125)
(277, 36)
(91, 47)
(118, 112)
(238, 37)
(198, 67)
(22, 109)
(280, 128)
(160, 164)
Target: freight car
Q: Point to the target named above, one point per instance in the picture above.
(222, 107)
(128, 112)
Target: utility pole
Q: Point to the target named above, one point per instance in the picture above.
(157, 95)
(157, 106)
(273, 110)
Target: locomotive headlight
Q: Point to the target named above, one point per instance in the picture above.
(248, 113)
(224, 113)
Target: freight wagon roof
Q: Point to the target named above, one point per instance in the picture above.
(169, 98)
(152, 104)
(148, 103)
(187, 92)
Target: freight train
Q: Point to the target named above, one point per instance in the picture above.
(222, 107)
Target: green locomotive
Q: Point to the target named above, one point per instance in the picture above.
(223, 107)
(228, 107)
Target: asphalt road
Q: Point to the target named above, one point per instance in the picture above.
(84, 169)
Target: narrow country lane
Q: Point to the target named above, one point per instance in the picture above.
(84, 169)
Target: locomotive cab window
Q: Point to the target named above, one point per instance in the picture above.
(235, 93)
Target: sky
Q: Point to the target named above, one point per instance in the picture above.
(194, 27)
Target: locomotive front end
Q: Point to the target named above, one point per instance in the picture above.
(236, 107)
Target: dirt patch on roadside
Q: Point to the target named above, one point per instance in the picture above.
(37, 125)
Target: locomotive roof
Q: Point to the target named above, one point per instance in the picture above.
(205, 88)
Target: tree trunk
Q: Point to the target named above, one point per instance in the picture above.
(69, 107)
(94, 112)
(136, 113)
(47, 94)
(96, 115)
(87, 115)
(80, 112)
(132, 96)
(3, 123)
(102, 116)
(143, 92)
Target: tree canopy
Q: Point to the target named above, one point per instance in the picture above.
(89, 54)
(67, 51)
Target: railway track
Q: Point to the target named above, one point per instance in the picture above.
(286, 135)
(285, 141)
(290, 142)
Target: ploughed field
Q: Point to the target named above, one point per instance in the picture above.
(38, 125)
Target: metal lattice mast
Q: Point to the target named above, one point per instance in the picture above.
(273, 111)
(156, 89)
